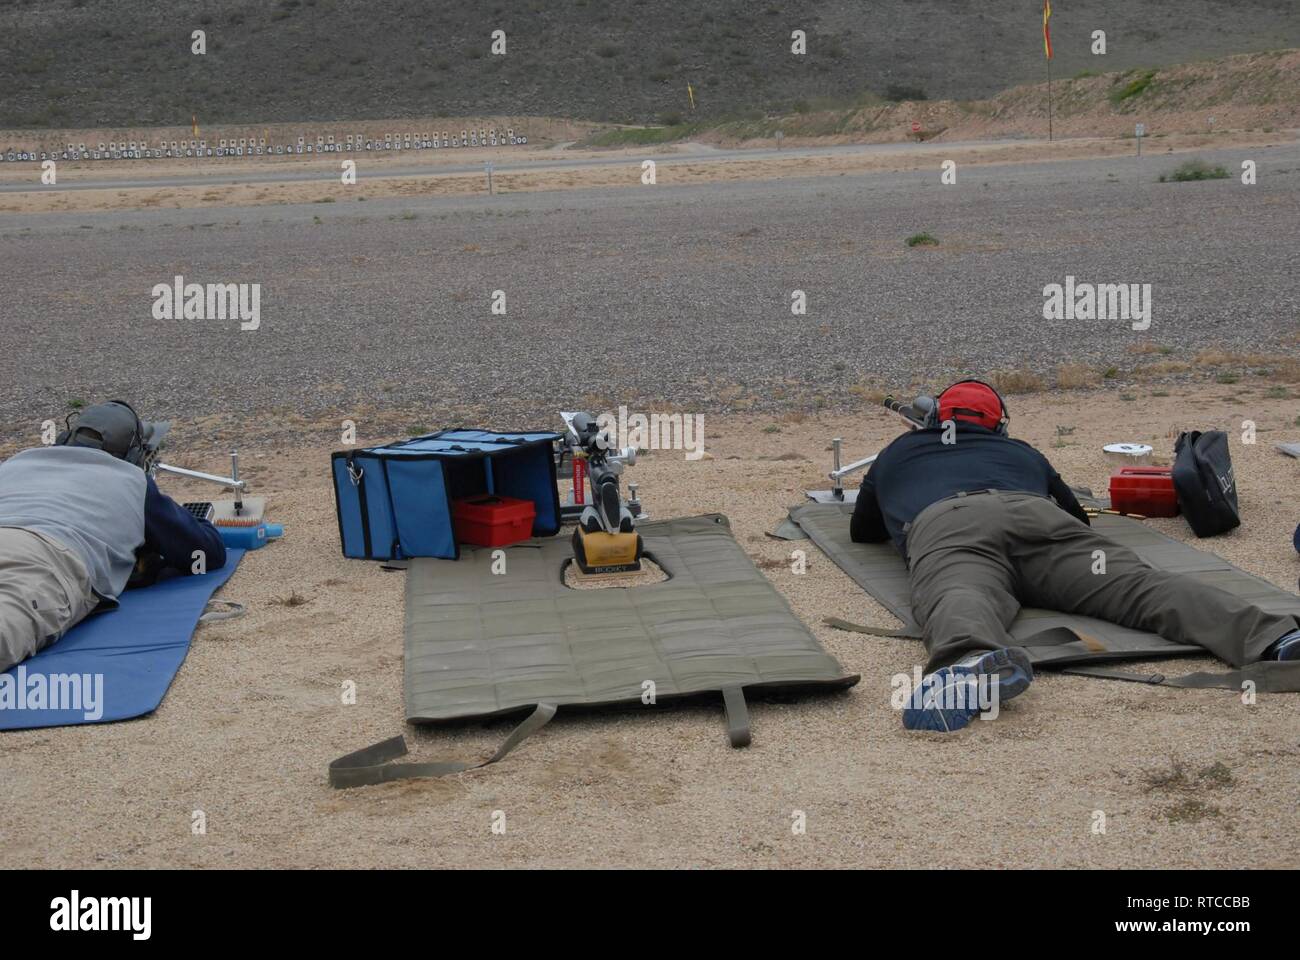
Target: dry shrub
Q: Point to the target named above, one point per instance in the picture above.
(1215, 358)
(867, 392)
(1224, 364)
(1016, 381)
(1282, 369)
(1161, 368)
(1144, 347)
(1070, 376)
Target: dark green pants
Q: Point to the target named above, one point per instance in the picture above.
(975, 559)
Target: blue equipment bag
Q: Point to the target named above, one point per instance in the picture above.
(394, 501)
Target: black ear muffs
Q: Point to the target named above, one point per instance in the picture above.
(135, 452)
(932, 418)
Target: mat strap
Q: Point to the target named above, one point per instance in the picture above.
(787, 529)
(1105, 673)
(1268, 676)
(911, 633)
(733, 702)
(370, 765)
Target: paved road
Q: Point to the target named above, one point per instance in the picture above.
(679, 294)
(293, 171)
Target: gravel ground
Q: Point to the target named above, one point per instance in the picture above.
(650, 293)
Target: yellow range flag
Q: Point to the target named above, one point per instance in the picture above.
(194, 123)
(690, 94)
(1047, 30)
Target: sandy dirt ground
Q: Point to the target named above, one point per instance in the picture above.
(1184, 778)
(677, 169)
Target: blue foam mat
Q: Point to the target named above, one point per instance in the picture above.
(136, 649)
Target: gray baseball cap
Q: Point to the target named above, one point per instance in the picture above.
(117, 429)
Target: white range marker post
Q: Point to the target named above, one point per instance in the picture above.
(779, 137)
(488, 167)
(1140, 131)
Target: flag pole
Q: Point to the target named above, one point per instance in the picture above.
(1049, 99)
(1047, 51)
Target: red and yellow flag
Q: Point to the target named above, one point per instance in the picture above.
(1047, 30)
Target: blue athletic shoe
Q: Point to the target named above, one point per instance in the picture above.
(1288, 648)
(950, 698)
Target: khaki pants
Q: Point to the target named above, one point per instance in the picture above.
(975, 559)
(44, 591)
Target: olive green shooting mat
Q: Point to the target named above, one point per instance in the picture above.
(481, 643)
(1054, 639)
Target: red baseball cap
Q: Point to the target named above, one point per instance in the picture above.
(972, 401)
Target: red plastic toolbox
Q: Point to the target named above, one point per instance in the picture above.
(1145, 490)
(488, 520)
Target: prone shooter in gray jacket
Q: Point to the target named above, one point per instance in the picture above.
(74, 519)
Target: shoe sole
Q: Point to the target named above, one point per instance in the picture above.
(1014, 672)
